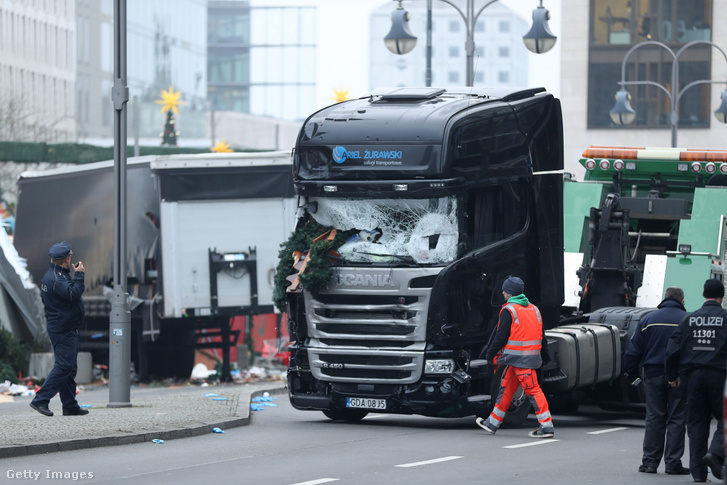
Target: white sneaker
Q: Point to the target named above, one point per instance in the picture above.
(483, 424)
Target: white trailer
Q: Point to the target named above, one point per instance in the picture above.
(203, 236)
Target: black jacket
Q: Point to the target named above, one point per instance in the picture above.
(62, 300)
(700, 341)
(648, 344)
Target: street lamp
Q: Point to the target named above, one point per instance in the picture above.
(400, 40)
(539, 38)
(721, 112)
(623, 114)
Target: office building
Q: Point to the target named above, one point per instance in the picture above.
(600, 33)
(262, 58)
(37, 70)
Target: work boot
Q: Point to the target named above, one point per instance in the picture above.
(42, 409)
(649, 469)
(75, 412)
(542, 433)
(680, 470)
(483, 424)
(715, 463)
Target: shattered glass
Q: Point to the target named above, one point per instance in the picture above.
(423, 231)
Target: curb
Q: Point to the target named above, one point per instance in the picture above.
(126, 439)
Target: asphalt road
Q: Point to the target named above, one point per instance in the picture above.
(285, 446)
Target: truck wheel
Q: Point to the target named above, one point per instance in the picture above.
(351, 415)
(520, 406)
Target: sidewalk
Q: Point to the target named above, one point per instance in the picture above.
(156, 413)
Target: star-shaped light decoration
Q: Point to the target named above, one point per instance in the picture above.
(170, 100)
(221, 147)
(340, 95)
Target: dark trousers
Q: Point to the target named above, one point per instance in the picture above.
(62, 378)
(666, 416)
(704, 393)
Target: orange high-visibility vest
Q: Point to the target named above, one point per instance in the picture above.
(526, 337)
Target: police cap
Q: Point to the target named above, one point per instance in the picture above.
(60, 250)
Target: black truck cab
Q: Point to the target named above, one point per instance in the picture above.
(435, 197)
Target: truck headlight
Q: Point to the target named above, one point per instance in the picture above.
(439, 366)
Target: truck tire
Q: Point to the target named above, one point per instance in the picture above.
(520, 406)
(350, 415)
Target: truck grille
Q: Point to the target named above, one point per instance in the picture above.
(369, 366)
(370, 325)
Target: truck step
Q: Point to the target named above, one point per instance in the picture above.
(479, 398)
(477, 364)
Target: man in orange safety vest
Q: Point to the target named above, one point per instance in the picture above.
(517, 343)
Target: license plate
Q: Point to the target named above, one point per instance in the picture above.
(358, 402)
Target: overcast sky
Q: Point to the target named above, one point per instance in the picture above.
(343, 42)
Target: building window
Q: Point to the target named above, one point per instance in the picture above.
(616, 26)
(503, 77)
(454, 51)
(503, 51)
(480, 77)
(480, 26)
(479, 51)
(504, 26)
(453, 76)
(454, 25)
(617, 22)
(228, 65)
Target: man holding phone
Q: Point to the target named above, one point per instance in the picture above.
(64, 312)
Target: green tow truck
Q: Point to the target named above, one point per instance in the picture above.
(642, 220)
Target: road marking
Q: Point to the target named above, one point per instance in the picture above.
(316, 482)
(606, 430)
(532, 443)
(429, 462)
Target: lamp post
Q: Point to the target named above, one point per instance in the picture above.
(622, 112)
(400, 40)
(120, 316)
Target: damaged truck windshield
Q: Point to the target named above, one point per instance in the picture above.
(416, 230)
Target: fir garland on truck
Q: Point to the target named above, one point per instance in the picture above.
(318, 271)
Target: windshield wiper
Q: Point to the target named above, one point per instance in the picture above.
(406, 259)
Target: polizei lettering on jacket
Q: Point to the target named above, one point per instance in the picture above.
(349, 279)
(706, 321)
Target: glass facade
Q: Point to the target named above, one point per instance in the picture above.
(618, 25)
(261, 60)
(228, 55)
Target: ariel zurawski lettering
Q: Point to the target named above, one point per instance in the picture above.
(706, 321)
(388, 154)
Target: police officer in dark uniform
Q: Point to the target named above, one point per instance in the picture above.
(64, 312)
(697, 357)
(666, 411)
